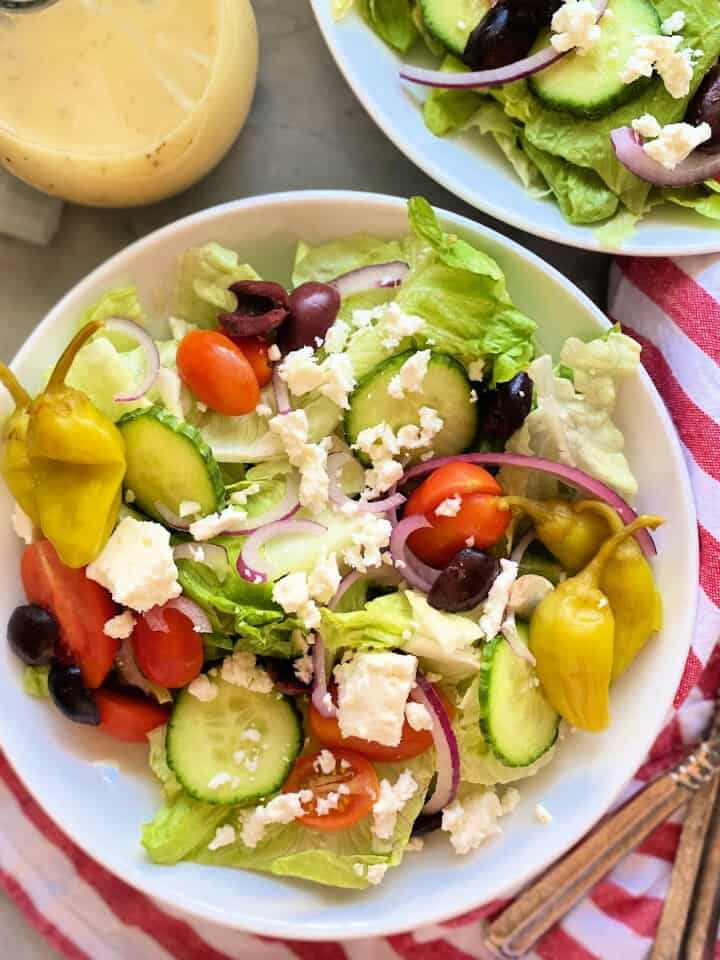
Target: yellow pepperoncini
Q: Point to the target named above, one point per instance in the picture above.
(572, 636)
(634, 598)
(76, 459)
(573, 537)
(14, 462)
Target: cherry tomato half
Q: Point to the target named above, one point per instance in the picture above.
(479, 516)
(129, 716)
(217, 372)
(256, 353)
(356, 775)
(80, 606)
(172, 657)
(412, 742)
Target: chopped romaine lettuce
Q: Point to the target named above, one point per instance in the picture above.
(100, 371)
(393, 21)
(203, 278)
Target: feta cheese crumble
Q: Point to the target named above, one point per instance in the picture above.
(292, 593)
(189, 508)
(337, 337)
(662, 54)
(136, 565)
(418, 716)
(303, 668)
(323, 805)
(647, 126)
(375, 873)
(241, 671)
(497, 599)
(575, 27)
(674, 23)
(472, 820)
(371, 536)
(229, 520)
(309, 458)
(390, 802)
(476, 370)
(202, 688)
(410, 377)
(219, 780)
(224, 836)
(675, 142)
(397, 325)
(324, 578)
(542, 814)
(373, 689)
(22, 524)
(241, 497)
(334, 377)
(120, 627)
(284, 808)
(450, 507)
(325, 762)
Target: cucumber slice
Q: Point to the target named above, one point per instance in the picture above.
(204, 736)
(445, 388)
(517, 722)
(590, 85)
(168, 462)
(452, 21)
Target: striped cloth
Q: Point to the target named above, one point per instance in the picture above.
(673, 309)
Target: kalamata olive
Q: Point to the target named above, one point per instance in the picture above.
(503, 410)
(427, 824)
(70, 695)
(313, 310)
(465, 581)
(261, 307)
(705, 106)
(507, 32)
(33, 635)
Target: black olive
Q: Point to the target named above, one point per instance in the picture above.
(427, 823)
(465, 581)
(507, 32)
(313, 310)
(261, 307)
(71, 696)
(705, 106)
(33, 635)
(503, 410)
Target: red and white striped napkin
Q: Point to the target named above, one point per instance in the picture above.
(673, 309)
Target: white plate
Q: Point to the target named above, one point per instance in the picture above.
(53, 757)
(471, 165)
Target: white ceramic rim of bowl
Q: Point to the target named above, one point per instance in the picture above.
(574, 235)
(626, 767)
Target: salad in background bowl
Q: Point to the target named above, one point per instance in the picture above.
(352, 552)
(606, 109)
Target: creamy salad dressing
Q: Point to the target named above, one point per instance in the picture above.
(115, 102)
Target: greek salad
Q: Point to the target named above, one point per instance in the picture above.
(609, 106)
(352, 555)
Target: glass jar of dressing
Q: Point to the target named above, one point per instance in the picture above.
(114, 103)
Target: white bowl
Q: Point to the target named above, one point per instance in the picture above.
(54, 757)
(470, 165)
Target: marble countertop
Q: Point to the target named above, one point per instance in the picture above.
(293, 140)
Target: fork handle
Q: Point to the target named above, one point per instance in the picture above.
(517, 929)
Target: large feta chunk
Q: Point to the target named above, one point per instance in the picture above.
(497, 599)
(324, 578)
(652, 51)
(292, 431)
(241, 670)
(137, 566)
(473, 819)
(373, 689)
(370, 537)
(397, 325)
(575, 27)
(292, 593)
(675, 142)
(229, 520)
(388, 805)
(410, 376)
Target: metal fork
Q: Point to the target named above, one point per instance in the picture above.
(545, 902)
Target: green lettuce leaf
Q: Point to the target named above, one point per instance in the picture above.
(331, 260)
(115, 303)
(35, 681)
(581, 194)
(443, 642)
(572, 421)
(203, 278)
(700, 199)
(393, 21)
(477, 763)
(184, 827)
(100, 371)
(159, 765)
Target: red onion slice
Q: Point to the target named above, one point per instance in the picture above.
(411, 568)
(251, 565)
(446, 747)
(320, 695)
(490, 78)
(696, 168)
(155, 616)
(152, 357)
(379, 276)
(571, 475)
(336, 462)
(282, 397)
